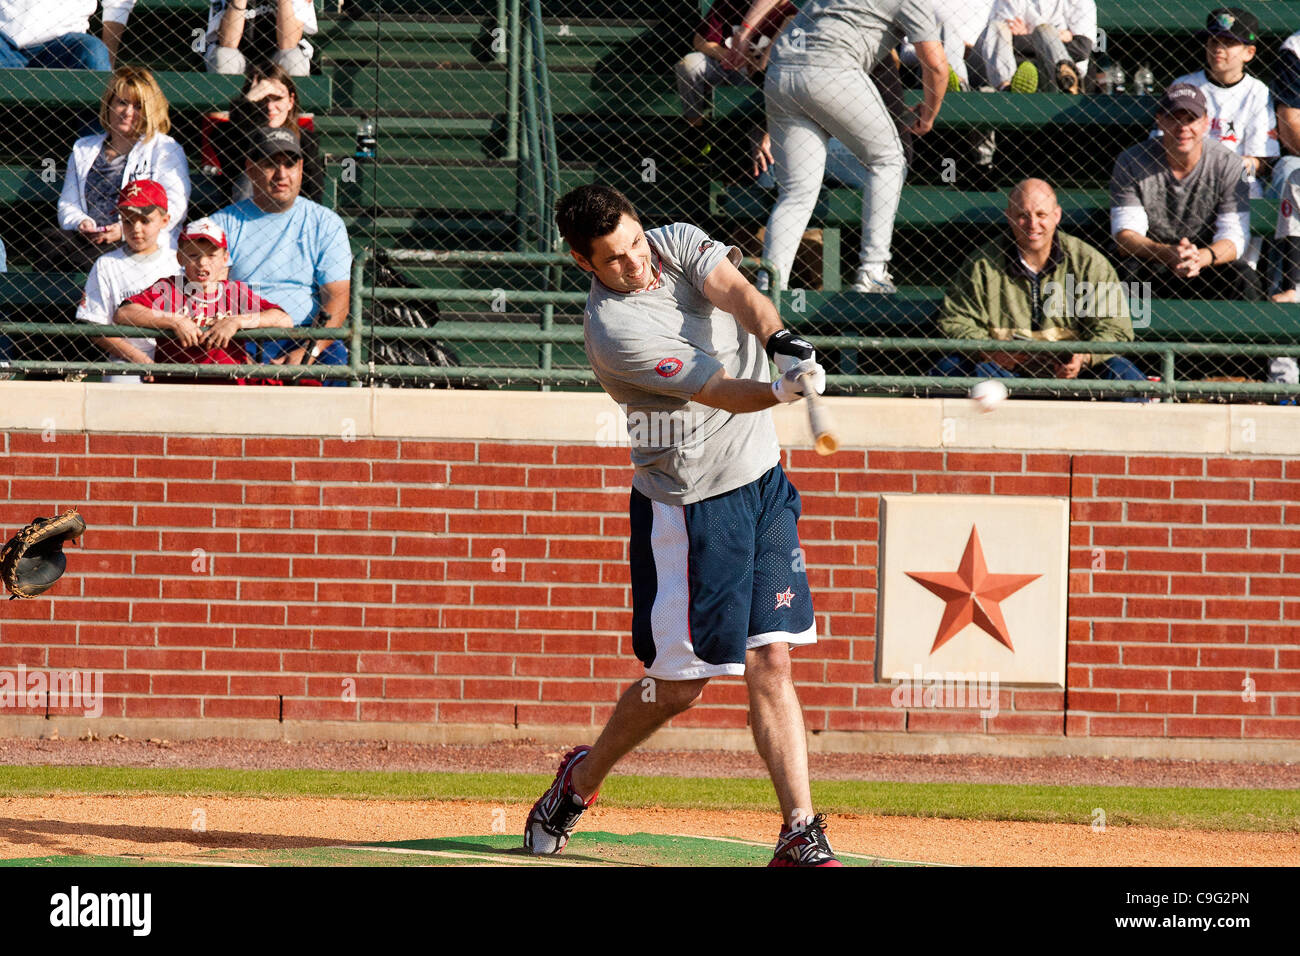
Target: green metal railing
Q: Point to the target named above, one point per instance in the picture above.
(530, 130)
(547, 334)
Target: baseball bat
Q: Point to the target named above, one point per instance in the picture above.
(825, 441)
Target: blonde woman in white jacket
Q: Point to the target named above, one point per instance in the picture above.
(135, 145)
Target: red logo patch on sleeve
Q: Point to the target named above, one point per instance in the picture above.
(705, 245)
(669, 367)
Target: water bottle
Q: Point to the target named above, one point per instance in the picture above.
(1144, 80)
(365, 138)
(1115, 76)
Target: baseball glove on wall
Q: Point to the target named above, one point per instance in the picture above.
(33, 559)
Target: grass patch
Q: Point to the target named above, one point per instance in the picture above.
(1165, 807)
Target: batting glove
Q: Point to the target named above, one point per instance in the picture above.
(786, 349)
(788, 388)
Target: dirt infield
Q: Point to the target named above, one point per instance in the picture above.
(162, 828)
(168, 828)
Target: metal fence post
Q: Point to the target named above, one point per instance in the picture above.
(512, 85)
(358, 279)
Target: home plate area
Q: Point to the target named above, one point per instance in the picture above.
(584, 849)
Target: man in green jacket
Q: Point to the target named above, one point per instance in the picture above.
(1044, 285)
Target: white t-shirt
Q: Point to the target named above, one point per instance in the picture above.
(1241, 116)
(1288, 213)
(118, 275)
(1077, 16)
(967, 17)
(31, 22)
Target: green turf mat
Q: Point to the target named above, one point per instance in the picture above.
(585, 849)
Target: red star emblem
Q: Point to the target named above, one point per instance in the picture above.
(134, 190)
(972, 595)
(783, 599)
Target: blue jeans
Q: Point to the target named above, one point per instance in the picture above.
(265, 351)
(1114, 368)
(72, 51)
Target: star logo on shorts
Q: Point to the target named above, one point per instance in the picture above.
(783, 599)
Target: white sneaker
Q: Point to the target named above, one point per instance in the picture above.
(876, 280)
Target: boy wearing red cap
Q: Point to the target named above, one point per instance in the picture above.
(120, 274)
(203, 309)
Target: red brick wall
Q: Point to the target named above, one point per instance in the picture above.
(479, 582)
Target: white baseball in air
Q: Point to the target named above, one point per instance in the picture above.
(988, 395)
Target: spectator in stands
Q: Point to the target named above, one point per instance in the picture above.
(1239, 106)
(135, 145)
(701, 72)
(53, 34)
(120, 274)
(1038, 44)
(268, 99)
(1037, 284)
(242, 33)
(1285, 368)
(960, 24)
(1286, 96)
(1180, 207)
(290, 250)
(204, 309)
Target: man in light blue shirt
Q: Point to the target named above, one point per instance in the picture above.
(290, 250)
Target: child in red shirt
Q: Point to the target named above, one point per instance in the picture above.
(205, 310)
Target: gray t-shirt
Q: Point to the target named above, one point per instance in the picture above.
(103, 187)
(1175, 208)
(854, 34)
(652, 350)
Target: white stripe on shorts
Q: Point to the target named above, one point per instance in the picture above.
(772, 637)
(670, 617)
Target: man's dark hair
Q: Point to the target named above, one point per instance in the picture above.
(589, 212)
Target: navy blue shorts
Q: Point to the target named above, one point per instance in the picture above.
(713, 579)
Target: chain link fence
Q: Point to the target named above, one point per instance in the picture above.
(442, 132)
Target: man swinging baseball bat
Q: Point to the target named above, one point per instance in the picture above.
(681, 339)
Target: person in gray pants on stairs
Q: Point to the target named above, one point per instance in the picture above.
(817, 87)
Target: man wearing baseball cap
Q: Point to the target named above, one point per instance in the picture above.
(290, 251)
(1180, 207)
(120, 274)
(1239, 106)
